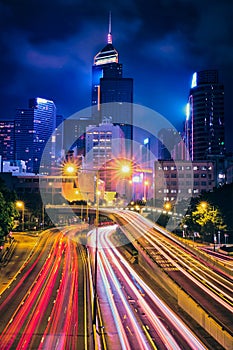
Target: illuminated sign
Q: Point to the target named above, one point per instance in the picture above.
(41, 100)
(106, 60)
(146, 141)
(194, 80)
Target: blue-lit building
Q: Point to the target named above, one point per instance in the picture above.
(112, 94)
(204, 127)
(33, 128)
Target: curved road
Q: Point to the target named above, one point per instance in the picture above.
(45, 304)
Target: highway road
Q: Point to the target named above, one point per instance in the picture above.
(133, 316)
(211, 288)
(223, 259)
(45, 304)
(47, 291)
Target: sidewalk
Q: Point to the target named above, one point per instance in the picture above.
(7, 251)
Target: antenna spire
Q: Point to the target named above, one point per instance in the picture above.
(110, 28)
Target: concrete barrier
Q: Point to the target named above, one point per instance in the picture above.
(185, 301)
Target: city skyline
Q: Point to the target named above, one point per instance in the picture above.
(159, 50)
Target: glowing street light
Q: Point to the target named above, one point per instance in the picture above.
(204, 205)
(209, 214)
(20, 206)
(184, 231)
(125, 169)
(69, 169)
(167, 206)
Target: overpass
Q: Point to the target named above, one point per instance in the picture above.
(67, 214)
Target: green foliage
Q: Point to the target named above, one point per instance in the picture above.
(204, 218)
(208, 217)
(222, 198)
(7, 210)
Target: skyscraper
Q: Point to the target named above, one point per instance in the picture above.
(7, 139)
(112, 95)
(204, 127)
(104, 145)
(33, 128)
(59, 137)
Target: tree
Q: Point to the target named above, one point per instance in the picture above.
(7, 211)
(222, 197)
(208, 218)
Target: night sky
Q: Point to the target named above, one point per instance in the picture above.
(47, 50)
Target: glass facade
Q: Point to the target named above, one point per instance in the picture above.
(33, 128)
(205, 121)
(111, 93)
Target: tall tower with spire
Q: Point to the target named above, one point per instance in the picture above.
(112, 94)
(110, 29)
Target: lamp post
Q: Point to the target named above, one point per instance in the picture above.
(184, 231)
(215, 241)
(167, 206)
(20, 205)
(87, 205)
(225, 238)
(212, 212)
(42, 215)
(51, 184)
(203, 206)
(96, 250)
(125, 169)
(87, 213)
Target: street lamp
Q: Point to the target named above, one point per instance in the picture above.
(184, 231)
(204, 205)
(209, 210)
(20, 206)
(70, 168)
(51, 184)
(202, 208)
(215, 241)
(225, 238)
(42, 215)
(125, 169)
(96, 250)
(167, 206)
